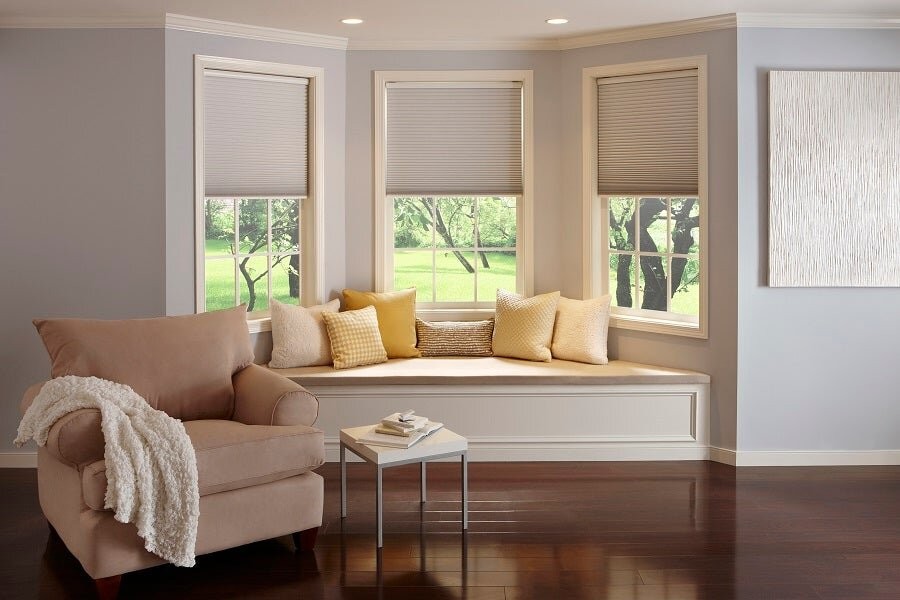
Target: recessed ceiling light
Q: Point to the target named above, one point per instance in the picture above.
(557, 21)
(351, 21)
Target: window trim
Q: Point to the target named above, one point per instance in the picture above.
(595, 225)
(312, 247)
(384, 205)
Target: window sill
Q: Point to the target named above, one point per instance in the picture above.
(679, 328)
(259, 324)
(455, 314)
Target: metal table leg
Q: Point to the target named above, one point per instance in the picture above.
(465, 491)
(422, 485)
(378, 507)
(343, 480)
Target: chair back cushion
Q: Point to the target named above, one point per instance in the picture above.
(181, 365)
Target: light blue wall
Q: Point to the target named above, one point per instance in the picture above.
(817, 367)
(82, 189)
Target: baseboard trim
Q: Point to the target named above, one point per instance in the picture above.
(18, 460)
(811, 458)
(723, 455)
(513, 450)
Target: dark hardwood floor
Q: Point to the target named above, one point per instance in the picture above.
(557, 531)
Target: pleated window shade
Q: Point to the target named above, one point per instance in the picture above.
(454, 139)
(255, 134)
(647, 134)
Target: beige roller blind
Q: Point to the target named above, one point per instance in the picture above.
(647, 134)
(255, 134)
(454, 138)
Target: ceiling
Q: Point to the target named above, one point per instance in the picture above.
(435, 20)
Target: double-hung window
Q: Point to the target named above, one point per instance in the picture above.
(453, 185)
(256, 183)
(645, 185)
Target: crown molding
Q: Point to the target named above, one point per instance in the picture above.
(81, 22)
(647, 32)
(426, 45)
(254, 32)
(812, 21)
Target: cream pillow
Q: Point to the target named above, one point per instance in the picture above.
(580, 330)
(523, 327)
(396, 318)
(299, 337)
(355, 340)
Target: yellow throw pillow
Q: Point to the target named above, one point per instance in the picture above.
(581, 330)
(523, 327)
(355, 340)
(396, 318)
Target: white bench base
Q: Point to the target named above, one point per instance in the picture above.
(518, 411)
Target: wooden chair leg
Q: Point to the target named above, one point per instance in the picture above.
(108, 587)
(305, 540)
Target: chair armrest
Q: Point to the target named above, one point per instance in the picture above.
(262, 397)
(76, 439)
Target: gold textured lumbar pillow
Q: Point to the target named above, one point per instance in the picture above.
(396, 318)
(299, 337)
(581, 329)
(454, 338)
(523, 327)
(355, 340)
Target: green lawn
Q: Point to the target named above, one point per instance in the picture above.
(220, 279)
(412, 268)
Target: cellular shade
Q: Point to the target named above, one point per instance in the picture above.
(255, 134)
(454, 139)
(647, 134)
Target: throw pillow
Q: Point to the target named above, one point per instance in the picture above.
(355, 340)
(523, 327)
(581, 329)
(396, 318)
(299, 337)
(454, 338)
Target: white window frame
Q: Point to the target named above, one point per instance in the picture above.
(596, 216)
(384, 206)
(312, 214)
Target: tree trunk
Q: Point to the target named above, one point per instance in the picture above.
(655, 293)
(682, 240)
(294, 276)
(623, 281)
(251, 284)
(441, 229)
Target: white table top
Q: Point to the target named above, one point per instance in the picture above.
(442, 441)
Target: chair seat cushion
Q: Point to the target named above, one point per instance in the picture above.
(232, 455)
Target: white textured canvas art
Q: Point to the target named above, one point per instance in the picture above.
(834, 179)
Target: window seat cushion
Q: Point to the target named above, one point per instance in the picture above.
(492, 371)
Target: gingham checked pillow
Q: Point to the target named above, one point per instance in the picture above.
(355, 339)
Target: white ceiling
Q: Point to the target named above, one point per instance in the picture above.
(437, 20)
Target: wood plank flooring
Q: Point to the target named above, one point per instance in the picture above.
(555, 531)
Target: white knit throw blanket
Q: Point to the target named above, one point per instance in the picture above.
(151, 469)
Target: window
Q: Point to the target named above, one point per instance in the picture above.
(453, 185)
(258, 132)
(645, 193)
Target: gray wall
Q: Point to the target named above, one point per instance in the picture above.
(547, 145)
(180, 48)
(82, 189)
(717, 355)
(817, 368)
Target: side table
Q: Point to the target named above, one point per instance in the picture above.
(440, 444)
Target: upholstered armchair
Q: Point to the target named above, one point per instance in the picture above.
(251, 430)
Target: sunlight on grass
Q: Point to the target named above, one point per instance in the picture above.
(412, 268)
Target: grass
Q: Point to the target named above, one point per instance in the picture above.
(220, 279)
(413, 268)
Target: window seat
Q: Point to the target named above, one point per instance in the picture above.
(519, 410)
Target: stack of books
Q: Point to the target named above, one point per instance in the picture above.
(400, 430)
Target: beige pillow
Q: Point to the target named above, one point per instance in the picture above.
(580, 330)
(523, 327)
(355, 340)
(299, 337)
(454, 338)
(396, 318)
